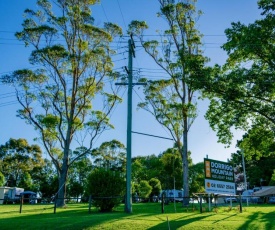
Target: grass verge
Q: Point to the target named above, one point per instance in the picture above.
(144, 216)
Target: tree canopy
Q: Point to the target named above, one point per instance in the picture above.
(242, 91)
(18, 160)
(110, 155)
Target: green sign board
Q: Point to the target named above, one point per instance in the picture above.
(219, 177)
(218, 170)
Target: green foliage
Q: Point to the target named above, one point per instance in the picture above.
(110, 155)
(135, 188)
(106, 187)
(197, 178)
(258, 169)
(49, 186)
(137, 27)
(156, 186)
(145, 189)
(19, 160)
(267, 6)
(78, 174)
(26, 182)
(242, 91)
(2, 179)
(171, 175)
(258, 142)
(75, 189)
(272, 180)
(145, 168)
(137, 170)
(165, 168)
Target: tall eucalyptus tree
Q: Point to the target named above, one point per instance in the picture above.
(177, 52)
(75, 63)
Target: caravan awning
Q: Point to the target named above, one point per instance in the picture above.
(265, 192)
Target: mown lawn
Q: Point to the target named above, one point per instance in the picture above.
(144, 216)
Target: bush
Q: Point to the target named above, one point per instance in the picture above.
(145, 189)
(156, 186)
(107, 188)
(2, 179)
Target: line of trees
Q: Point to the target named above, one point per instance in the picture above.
(22, 165)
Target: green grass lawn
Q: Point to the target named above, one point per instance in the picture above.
(144, 216)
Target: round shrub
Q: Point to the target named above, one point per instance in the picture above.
(107, 188)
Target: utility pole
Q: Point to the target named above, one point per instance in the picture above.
(128, 197)
(128, 201)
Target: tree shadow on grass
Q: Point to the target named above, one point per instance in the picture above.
(225, 218)
(266, 220)
(78, 217)
(178, 223)
(35, 217)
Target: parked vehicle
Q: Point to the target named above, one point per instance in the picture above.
(246, 195)
(172, 195)
(4, 192)
(271, 200)
(10, 195)
(31, 197)
(229, 199)
(256, 200)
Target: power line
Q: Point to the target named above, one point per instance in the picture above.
(126, 35)
(145, 134)
(6, 31)
(8, 103)
(138, 95)
(104, 12)
(121, 14)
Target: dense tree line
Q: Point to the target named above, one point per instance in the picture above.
(22, 165)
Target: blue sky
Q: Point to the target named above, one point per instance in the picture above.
(218, 15)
